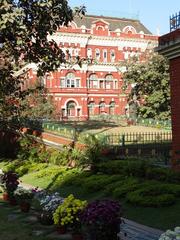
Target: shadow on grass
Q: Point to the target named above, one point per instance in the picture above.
(53, 181)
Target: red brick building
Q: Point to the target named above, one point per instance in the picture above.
(96, 87)
(169, 46)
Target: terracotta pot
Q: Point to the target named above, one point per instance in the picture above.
(25, 207)
(61, 229)
(5, 196)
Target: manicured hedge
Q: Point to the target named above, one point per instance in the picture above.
(126, 186)
(154, 195)
(140, 169)
(98, 182)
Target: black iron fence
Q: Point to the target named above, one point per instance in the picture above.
(138, 138)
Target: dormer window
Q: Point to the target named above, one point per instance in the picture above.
(129, 30)
(100, 28)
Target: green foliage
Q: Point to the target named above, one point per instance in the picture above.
(32, 151)
(51, 171)
(98, 182)
(124, 167)
(60, 157)
(93, 149)
(68, 212)
(76, 177)
(140, 169)
(24, 167)
(24, 27)
(163, 174)
(38, 105)
(152, 86)
(154, 194)
(125, 187)
(112, 167)
(23, 195)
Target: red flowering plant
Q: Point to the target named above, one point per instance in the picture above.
(9, 182)
(102, 219)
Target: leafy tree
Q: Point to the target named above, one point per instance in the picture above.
(38, 105)
(24, 29)
(151, 86)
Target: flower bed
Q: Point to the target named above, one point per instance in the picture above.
(171, 235)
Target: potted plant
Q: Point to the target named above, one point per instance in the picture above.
(9, 182)
(48, 204)
(24, 198)
(102, 219)
(171, 235)
(67, 214)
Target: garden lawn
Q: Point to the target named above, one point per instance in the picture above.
(91, 187)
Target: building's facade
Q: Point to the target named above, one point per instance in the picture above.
(96, 87)
(169, 46)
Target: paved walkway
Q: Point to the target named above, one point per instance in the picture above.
(134, 231)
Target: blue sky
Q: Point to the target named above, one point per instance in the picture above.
(154, 14)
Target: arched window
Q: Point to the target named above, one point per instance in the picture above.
(112, 56)
(100, 28)
(91, 107)
(102, 107)
(89, 53)
(129, 30)
(70, 81)
(112, 108)
(97, 54)
(109, 81)
(93, 81)
(71, 108)
(105, 55)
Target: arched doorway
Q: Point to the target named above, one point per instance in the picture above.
(71, 109)
(91, 108)
(102, 108)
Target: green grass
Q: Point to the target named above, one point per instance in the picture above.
(162, 218)
(67, 181)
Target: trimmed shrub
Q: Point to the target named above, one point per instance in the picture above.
(127, 186)
(151, 196)
(110, 187)
(136, 168)
(76, 178)
(163, 174)
(50, 172)
(112, 167)
(98, 182)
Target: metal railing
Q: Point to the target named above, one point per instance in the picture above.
(174, 21)
(138, 138)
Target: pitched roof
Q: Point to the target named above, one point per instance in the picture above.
(114, 23)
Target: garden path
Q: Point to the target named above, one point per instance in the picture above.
(131, 230)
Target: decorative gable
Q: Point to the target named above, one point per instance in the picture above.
(100, 27)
